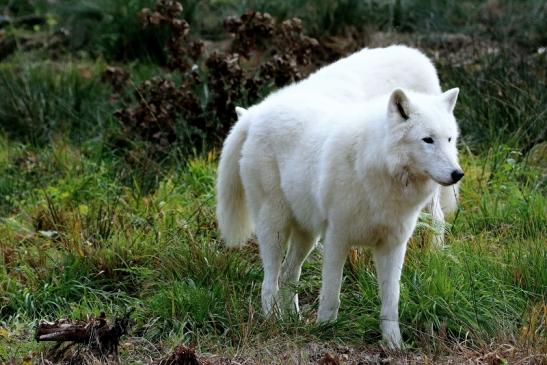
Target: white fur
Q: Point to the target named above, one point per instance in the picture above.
(355, 174)
(308, 163)
(372, 72)
(232, 214)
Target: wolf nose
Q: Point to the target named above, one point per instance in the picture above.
(457, 175)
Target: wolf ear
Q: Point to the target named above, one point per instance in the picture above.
(240, 111)
(450, 97)
(399, 104)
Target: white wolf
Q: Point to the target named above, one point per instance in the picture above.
(373, 72)
(301, 165)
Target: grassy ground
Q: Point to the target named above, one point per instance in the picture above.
(89, 226)
(76, 242)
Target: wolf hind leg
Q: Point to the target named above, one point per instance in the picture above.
(300, 245)
(272, 230)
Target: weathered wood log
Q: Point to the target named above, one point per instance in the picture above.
(102, 338)
(65, 330)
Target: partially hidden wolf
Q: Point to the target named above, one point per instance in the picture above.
(303, 165)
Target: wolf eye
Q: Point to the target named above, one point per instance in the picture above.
(427, 140)
(449, 139)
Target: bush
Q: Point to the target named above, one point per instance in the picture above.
(194, 103)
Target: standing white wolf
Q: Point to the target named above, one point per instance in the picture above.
(308, 162)
(370, 73)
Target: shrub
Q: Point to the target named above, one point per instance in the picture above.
(194, 103)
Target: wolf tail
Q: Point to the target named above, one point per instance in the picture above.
(233, 217)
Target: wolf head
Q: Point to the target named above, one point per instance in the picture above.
(426, 134)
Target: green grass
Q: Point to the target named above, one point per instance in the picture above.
(504, 100)
(159, 253)
(39, 100)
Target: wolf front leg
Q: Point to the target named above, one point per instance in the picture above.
(389, 265)
(334, 256)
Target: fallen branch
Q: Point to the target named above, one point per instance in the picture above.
(101, 338)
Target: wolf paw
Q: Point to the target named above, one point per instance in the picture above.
(328, 313)
(392, 334)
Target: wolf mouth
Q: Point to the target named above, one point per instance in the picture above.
(443, 183)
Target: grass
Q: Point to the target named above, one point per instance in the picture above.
(159, 253)
(42, 99)
(91, 225)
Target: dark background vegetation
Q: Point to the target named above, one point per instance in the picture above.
(111, 117)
